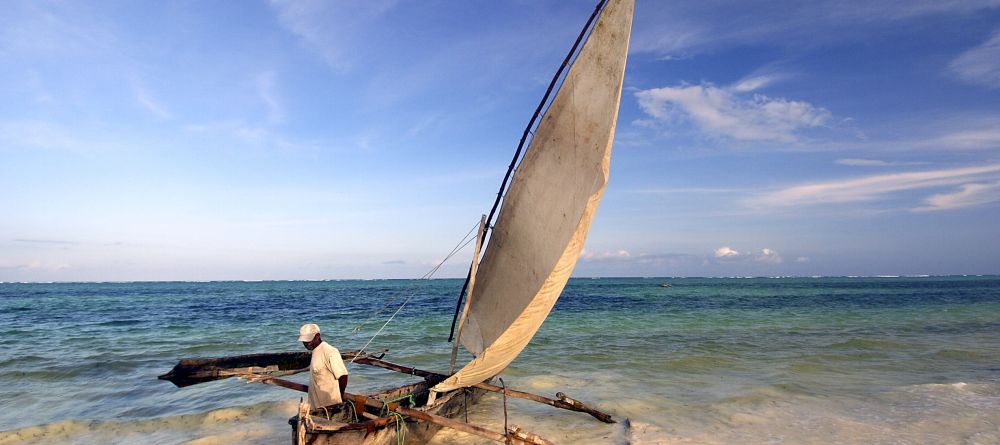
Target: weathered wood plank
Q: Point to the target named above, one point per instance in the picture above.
(564, 402)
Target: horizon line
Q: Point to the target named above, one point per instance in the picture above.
(731, 277)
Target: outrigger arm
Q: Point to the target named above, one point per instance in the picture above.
(564, 402)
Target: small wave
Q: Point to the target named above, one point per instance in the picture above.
(871, 344)
(543, 382)
(117, 323)
(699, 363)
(50, 373)
(958, 399)
(30, 360)
(961, 355)
(766, 394)
(957, 388)
(263, 423)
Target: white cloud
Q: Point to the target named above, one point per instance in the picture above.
(969, 195)
(873, 187)
(726, 252)
(753, 83)
(619, 254)
(802, 259)
(768, 256)
(980, 65)
(732, 112)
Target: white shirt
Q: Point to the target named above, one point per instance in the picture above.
(325, 369)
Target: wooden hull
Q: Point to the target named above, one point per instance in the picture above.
(343, 427)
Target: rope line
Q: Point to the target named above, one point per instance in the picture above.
(458, 247)
(400, 428)
(461, 244)
(354, 412)
(380, 329)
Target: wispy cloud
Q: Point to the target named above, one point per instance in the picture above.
(145, 99)
(669, 28)
(45, 241)
(33, 265)
(980, 65)
(266, 82)
(40, 93)
(855, 162)
(53, 28)
(329, 28)
(618, 254)
(686, 190)
(971, 139)
(253, 134)
(757, 81)
(36, 134)
(969, 195)
(733, 112)
(59, 242)
(876, 187)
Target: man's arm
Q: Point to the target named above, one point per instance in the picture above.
(343, 384)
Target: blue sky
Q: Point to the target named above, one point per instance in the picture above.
(315, 140)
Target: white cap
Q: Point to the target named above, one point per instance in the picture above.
(308, 332)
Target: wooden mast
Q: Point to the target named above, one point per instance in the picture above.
(468, 299)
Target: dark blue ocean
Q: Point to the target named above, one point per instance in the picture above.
(893, 360)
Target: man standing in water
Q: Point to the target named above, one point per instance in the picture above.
(327, 373)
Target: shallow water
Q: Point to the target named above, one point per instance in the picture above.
(714, 361)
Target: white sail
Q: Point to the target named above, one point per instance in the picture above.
(549, 206)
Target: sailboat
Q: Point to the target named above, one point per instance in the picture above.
(532, 250)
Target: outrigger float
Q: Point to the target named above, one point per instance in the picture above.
(531, 252)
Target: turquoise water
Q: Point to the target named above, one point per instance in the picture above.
(717, 361)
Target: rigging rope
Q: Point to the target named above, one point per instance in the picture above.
(458, 247)
(464, 242)
(461, 244)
